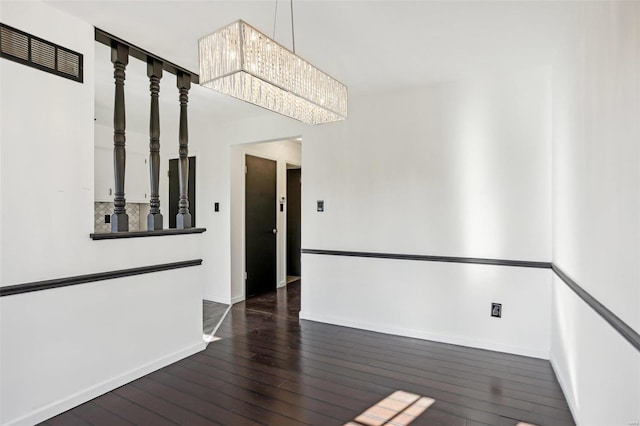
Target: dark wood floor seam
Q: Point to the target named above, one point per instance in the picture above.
(381, 374)
(310, 404)
(431, 371)
(475, 395)
(271, 340)
(373, 346)
(270, 343)
(220, 358)
(435, 392)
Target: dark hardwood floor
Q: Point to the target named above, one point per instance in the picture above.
(270, 368)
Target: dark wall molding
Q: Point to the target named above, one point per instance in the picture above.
(138, 234)
(89, 278)
(612, 319)
(427, 258)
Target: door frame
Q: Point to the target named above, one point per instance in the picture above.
(238, 211)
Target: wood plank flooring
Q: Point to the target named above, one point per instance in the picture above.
(270, 368)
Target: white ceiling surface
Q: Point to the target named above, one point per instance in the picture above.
(371, 46)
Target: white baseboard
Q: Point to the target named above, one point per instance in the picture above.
(237, 299)
(282, 284)
(88, 394)
(420, 334)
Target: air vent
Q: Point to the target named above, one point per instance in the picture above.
(35, 52)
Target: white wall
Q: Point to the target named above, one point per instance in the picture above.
(136, 141)
(596, 211)
(439, 301)
(460, 169)
(212, 175)
(456, 169)
(65, 346)
(61, 347)
(283, 152)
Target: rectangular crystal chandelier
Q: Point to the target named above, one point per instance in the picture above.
(242, 62)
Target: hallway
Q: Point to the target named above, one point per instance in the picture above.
(271, 368)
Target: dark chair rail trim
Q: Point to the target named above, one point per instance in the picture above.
(137, 234)
(101, 276)
(614, 321)
(620, 326)
(477, 260)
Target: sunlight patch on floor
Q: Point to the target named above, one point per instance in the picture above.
(398, 409)
(210, 338)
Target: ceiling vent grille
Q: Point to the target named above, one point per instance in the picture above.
(35, 52)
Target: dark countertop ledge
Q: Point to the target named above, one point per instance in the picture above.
(138, 234)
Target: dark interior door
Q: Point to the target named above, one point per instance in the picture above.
(260, 225)
(293, 222)
(174, 191)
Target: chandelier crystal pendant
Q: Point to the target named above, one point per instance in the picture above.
(240, 61)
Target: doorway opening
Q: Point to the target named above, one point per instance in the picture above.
(259, 216)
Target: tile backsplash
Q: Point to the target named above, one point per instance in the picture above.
(103, 209)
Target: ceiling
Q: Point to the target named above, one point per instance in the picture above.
(371, 46)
